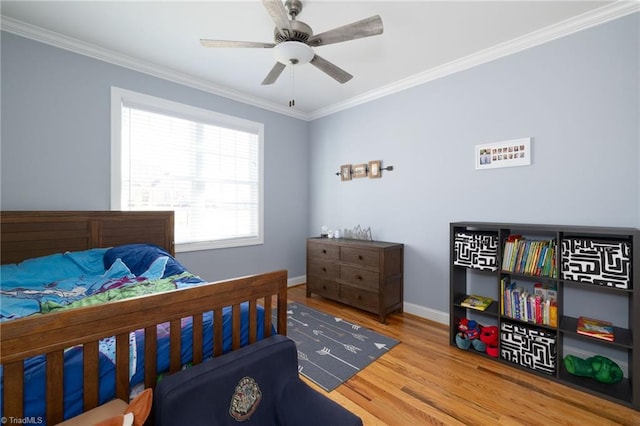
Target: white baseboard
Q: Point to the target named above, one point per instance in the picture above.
(427, 313)
(296, 280)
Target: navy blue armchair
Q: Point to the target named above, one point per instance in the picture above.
(256, 385)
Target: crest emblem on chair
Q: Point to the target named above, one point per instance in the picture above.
(245, 399)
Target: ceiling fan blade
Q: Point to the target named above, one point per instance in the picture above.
(365, 28)
(279, 15)
(333, 71)
(227, 43)
(274, 73)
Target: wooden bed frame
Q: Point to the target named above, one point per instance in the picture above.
(25, 235)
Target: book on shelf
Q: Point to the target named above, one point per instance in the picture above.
(504, 283)
(595, 328)
(546, 292)
(480, 303)
(529, 257)
(553, 314)
(510, 252)
(518, 302)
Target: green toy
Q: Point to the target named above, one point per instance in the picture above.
(597, 367)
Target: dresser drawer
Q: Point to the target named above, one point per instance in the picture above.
(323, 269)
(362, 257)
(363, 299)
(323, 251)
(326, 288)
(361, 278)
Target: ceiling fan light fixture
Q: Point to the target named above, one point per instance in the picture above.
(294, 41)
(293, 52)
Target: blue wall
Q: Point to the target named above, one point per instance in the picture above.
(576, 97)
(56, 150)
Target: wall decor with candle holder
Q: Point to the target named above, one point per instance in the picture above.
(373, 169)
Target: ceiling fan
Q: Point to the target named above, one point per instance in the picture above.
(294, 40)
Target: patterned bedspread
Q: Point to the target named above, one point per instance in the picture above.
(34, 293)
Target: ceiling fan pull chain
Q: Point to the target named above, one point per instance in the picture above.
(292, 102)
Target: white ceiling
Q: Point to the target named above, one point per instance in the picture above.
(422, 40)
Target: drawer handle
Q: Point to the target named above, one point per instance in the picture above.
(359, 277)
(324, 269)
(360, 257)
(324, 251)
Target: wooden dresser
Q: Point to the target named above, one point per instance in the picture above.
(364, 274)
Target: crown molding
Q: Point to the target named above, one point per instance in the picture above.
(581, 22)
(570, 26)
(87, 49)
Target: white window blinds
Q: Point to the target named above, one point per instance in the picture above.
(203, 165)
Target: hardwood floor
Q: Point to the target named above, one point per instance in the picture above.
(424, 380)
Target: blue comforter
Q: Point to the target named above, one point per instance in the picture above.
(39, 286)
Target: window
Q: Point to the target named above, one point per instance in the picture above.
(205, 166)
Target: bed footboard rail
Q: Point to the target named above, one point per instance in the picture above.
(52, 333)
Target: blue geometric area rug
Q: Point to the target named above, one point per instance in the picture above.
(331, 349)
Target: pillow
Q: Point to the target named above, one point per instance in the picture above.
(140, 257)
(135, 414)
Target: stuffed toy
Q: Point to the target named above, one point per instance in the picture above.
(489, 336)
(135, 414)
(462, 342)
(468, 334)
(463, 325)
(597, 367)
(470, 328)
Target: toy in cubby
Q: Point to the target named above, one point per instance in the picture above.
(597, 367)
(469, 332)
(489, 336)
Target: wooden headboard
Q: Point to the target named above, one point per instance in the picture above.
(28, 234)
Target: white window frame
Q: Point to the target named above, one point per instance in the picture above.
(120, 96)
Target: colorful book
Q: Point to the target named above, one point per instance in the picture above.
(506, 255)
(510, 250)
(553, 314)
(508, 309)
(538, 310)
(545, 312)
(480, 303)
(504, 283)
(595, 328)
